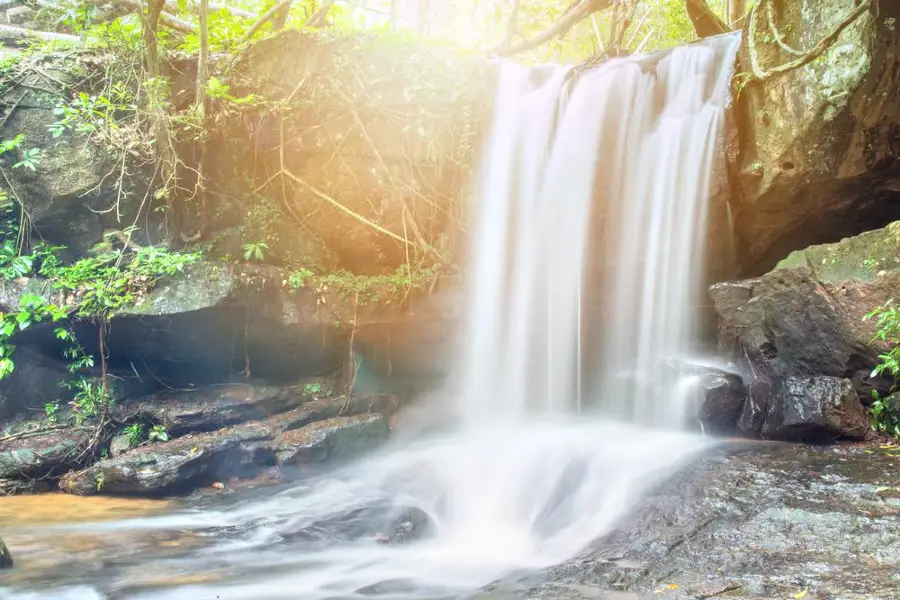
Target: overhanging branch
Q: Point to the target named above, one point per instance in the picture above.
(571, 17)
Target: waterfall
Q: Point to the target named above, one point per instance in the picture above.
(634, 140)
(587, 257)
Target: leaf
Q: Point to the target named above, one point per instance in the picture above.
(801, 595)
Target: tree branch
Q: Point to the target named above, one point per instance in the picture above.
(571, 17)
(17, 34)
(269, 14)
(213, 7)
(318, 17)
(706, 22)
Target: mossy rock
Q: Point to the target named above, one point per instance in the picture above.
(859, 258)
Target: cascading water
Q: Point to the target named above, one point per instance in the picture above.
(520, 484)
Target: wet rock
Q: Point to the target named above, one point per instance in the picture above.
(718, 395)
(177, 466)
(409, 525)
(39, 456)
(339, 438)
(120, 445)
(815, 409)
(772, 521)
(217, 406)
(6, 561)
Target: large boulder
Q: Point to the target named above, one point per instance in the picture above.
(217, 320)
(73, 193)
(806, 318)
(818, 157)
(815, 409)
(177, 466)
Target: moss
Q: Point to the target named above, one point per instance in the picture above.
(860, 258)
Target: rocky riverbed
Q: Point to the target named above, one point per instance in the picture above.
(759, 521)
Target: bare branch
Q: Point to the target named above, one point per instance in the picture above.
(16, 34)
(213, 7)
(318, 17)
(571, 17)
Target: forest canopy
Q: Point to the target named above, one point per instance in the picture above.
(534, 30)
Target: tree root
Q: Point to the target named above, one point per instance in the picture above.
(760, 74)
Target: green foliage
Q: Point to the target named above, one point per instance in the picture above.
(385, 287)
(110, 281)
(255, 251)
(32, 309)
(97, 285)
(30, 157)
(311, 389)
(885, 411)
(135, 433)
(51, 411)
(298, 279)
(91, 398)
(218, 90)
(12, 264)
(158, 433)
(886, 415)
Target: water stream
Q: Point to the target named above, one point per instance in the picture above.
(536, 468)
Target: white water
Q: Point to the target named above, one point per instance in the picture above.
(523, 484)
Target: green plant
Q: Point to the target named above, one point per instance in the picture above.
(298, 279)
(51, 411)
(32, 309)
(135, 433)
(30, 159)
(886, 414)
(91, 398)
(310, 389)
(158, 433)
(12, 264)
(255, 251)
(886, 410)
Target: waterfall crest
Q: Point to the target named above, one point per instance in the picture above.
(634, 141)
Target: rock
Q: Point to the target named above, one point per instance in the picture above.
(340, 438)
(362, 170)
(818, 157)
(67, 185)
(717, 395)
(33, 383)
(806, 317)
(405, 525)
(6, 561)
(44, 456)
(177, 466)
(19, 15)
(120, 445)
(217, 406)
(815, 409)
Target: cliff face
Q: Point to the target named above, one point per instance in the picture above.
(819, 155)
